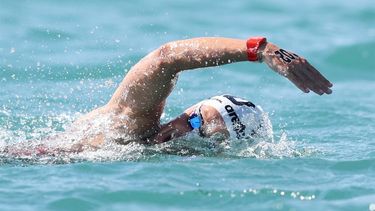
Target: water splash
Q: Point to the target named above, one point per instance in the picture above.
(49, 145)
(265, 145)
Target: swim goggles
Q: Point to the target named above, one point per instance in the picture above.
(195, 121)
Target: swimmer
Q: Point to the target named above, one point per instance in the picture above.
(136, 106)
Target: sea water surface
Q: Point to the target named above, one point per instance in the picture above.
(61, 59)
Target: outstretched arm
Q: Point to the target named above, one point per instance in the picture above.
(147, 85)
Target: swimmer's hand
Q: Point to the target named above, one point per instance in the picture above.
(297, 69)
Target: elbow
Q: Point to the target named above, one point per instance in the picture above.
(166, 56)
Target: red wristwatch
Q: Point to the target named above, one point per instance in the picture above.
(253, 44)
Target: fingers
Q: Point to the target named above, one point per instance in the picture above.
(319, 75)
(323, 83)
(320, 81)
(296, 81)
(306, 79)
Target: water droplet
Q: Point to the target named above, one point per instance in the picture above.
(294, 195)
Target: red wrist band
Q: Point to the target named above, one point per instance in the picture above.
(253, 44)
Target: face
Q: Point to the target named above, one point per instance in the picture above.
(213, 123)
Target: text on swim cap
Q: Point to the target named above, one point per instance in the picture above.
(238, 127)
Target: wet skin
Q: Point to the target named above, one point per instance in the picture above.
(136, 106)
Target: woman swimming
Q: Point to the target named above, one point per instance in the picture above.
(134, 111)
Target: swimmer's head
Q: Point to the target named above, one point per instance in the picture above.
(224, 115)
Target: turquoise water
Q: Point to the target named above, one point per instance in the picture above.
(61, 59)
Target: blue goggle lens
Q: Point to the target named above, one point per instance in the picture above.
(195, 121)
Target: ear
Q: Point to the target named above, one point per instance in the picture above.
(214, 122)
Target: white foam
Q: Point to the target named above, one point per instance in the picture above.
(371, 207)
(14, 145)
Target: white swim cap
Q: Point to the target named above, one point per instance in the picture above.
(242, 118)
